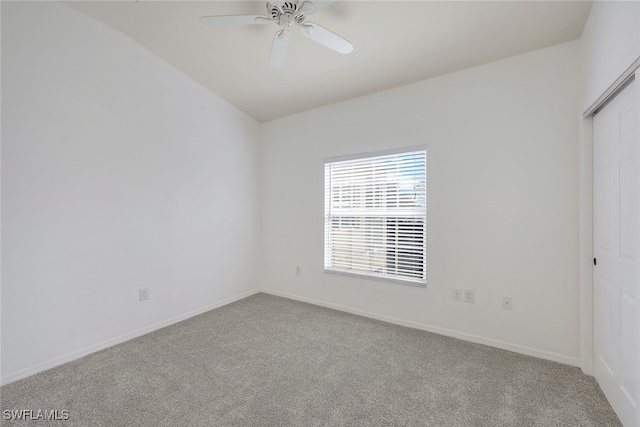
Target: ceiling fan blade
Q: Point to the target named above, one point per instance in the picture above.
(326, 38)
(235, 19)
(279, 48)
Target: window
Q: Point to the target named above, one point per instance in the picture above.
(375, 209)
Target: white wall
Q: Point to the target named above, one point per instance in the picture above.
(502, 201)
(610, 43)
(118, 173)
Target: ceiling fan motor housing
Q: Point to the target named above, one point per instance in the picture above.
(286, 15)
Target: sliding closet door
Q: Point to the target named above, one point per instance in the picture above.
(616, 250)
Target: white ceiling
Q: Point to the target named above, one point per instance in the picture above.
(395, 43)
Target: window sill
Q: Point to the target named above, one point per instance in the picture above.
(408, 282)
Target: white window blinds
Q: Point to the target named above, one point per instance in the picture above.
(376, 216)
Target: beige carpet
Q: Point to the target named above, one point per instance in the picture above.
(269, 361)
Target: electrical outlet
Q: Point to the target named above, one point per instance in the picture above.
(144, 294)
(507, 303)
(457, 294)
(469, 296)
(298, 270)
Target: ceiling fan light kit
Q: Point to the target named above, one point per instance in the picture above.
(288, 15)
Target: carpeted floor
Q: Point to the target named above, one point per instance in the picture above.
(269, 361)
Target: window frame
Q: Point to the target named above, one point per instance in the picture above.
(422, 283)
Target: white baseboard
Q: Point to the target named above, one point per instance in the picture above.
(52, 363)
(516, 348)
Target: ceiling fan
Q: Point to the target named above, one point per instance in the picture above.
(288, 14)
